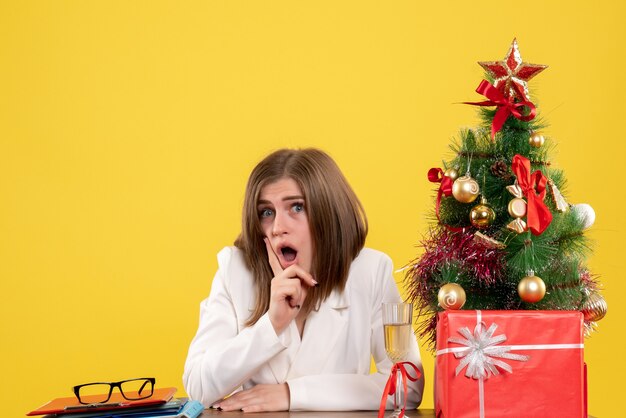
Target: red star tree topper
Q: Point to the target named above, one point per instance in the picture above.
(511, 74)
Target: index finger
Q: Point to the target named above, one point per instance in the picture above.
(273, 258)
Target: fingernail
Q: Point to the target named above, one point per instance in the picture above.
(315, 283)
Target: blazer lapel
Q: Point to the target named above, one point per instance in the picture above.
(279, 364)
(321, 332)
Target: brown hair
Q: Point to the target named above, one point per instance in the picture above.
(336, 219)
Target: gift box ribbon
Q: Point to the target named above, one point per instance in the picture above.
(390, 387)
(482, 353)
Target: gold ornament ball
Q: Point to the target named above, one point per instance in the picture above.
(536, 140)
(451, 296)
(482, 216)
(452, 173)
(465, 189)
(595, 307)
(531, 289)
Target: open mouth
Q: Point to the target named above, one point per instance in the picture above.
(289, 254)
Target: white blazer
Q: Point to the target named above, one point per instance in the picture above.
(329, 369)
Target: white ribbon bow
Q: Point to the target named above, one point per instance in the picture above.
(482, 352)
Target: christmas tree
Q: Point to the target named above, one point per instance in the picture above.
(503, 235)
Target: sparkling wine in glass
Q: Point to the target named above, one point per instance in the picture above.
(398, 333)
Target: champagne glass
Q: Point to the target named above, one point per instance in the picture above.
(398, 333)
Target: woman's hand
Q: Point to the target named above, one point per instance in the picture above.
(288, 291)
(272, 397)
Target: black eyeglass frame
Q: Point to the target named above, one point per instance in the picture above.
(118, 385)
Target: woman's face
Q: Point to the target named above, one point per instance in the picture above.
(284, 220)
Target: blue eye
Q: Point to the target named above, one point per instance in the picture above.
(266, 213)
(298, 207)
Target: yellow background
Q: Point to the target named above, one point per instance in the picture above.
(128, 129)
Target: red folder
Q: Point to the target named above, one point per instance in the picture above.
(71, 405)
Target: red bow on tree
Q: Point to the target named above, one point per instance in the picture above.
(390, 387)
(435, 175)
(506, 106)
(538, 216)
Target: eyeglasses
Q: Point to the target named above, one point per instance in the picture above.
(100, 392)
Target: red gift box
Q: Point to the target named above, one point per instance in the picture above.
(510, 364)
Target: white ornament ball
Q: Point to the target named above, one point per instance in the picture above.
(585, 213)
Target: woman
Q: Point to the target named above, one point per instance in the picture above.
(294, 314)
